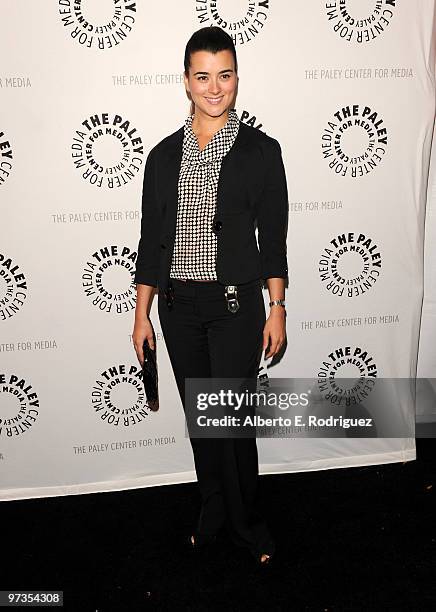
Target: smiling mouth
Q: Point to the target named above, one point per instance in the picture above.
(214, 100)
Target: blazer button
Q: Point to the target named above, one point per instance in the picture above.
(163, 246)
(217, 226)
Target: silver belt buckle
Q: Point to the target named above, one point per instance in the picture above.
(231, 294)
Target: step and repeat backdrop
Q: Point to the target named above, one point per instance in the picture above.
(86, 90)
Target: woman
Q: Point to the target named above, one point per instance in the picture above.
(204, 188)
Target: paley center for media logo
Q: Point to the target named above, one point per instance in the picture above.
(20, 405)
(346, 376)
(354, 141)
(243, 20)
(98, 25)
(118, 396)
(108, 279)
(107, 150)
(13, 287)
(6, 157)
(350, 265)
(371, 20)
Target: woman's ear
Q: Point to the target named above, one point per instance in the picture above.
(188, 92)
(185, 78)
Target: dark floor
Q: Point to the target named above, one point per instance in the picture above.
(348, 539)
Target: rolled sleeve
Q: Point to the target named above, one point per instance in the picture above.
(147, 262)
(272, 215)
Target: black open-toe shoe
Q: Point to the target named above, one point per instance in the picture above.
(264, 559)
(267, 552)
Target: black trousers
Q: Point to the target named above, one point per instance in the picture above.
(204, 339)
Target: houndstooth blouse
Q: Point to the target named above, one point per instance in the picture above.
(195, 244)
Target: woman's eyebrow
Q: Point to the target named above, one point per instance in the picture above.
(220, 72)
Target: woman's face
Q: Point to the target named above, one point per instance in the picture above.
(212, 82)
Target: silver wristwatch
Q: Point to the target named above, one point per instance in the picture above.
(277, 303)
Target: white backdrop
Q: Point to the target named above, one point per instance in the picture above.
(87, 88)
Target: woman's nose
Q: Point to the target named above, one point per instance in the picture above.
(214, 86)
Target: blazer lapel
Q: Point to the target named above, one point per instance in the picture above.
(173, 160)
(230, 167)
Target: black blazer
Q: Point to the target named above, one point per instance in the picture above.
(251, 189)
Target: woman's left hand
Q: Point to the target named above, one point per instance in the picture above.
(274, 332)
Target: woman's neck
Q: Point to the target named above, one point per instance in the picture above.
(207, 126)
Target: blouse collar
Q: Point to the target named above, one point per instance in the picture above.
(217, 147)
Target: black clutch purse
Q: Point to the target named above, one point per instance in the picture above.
(149, 375)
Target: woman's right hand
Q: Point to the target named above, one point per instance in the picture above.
(143, 330)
